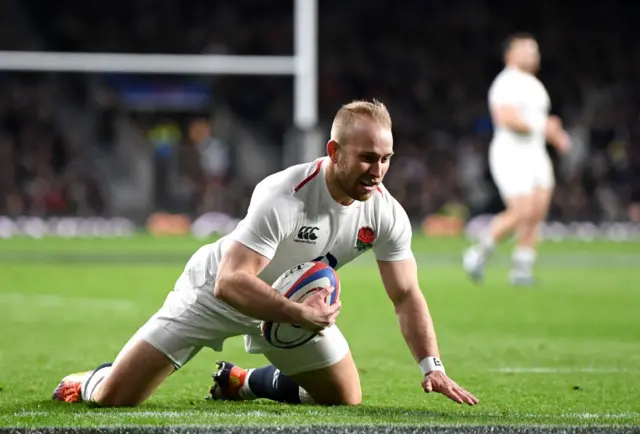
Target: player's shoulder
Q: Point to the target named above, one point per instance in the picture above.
(508, 76)
(536, 80)
(388, 216)
(283, 185)
(385, 204)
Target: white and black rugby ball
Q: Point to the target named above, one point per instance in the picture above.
(297, 284)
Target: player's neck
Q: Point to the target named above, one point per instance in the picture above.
(517, 68)
(336, 192)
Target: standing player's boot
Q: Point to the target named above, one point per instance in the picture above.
(521, 279)
(473, 263)
(228, 382)
(71, 387)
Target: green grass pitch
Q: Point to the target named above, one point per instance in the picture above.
(564, 353)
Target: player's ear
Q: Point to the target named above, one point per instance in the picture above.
(332, 150)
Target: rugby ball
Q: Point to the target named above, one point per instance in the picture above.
(297, 284)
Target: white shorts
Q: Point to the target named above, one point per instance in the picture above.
(183, 326)
(517, 171)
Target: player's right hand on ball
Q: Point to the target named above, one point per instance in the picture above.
(316, 314)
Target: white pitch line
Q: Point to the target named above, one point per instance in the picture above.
(118, 416)
(625, 415)
(163, 414)
(56, 300)
(540, 370)
(608, 416)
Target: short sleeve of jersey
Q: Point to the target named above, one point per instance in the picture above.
(394, 240)
(267, 223)
(504, 90)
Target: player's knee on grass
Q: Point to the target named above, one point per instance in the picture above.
(118, 391)
(346, 394)
(115, 397)
(134, 377)
(324, 368)
(351, 397)
(338, 384)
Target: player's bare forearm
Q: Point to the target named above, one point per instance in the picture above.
(556, 134)
(400, 280)
(552, 135)
(518, 125)
(251, 296)
(416, 325)
(417, 328)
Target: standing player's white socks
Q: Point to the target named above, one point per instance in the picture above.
(93, 380)
(487, 244)
(476, 256)
(524, 259)
(245, 391)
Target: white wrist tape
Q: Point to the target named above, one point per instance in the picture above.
(429, 364)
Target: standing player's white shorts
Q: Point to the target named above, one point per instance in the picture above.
(186, 323)
(518, 169)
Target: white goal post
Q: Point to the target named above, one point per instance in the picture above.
(302, 65)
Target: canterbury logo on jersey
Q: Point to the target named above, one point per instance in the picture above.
(306, 234)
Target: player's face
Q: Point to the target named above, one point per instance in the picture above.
(526, 54)
(364, 160)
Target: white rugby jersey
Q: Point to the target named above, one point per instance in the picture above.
(292, 218)
(525, 92)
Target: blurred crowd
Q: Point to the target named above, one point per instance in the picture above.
(430, 62)
(41, 164)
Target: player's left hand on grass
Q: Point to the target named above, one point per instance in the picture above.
(437, 381)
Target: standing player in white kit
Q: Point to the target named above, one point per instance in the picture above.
(333, 210)
(518, 159)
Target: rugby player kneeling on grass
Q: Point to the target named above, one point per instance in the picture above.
(332, 210)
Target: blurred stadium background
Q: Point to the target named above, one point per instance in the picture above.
(124, 145)
(107, 155)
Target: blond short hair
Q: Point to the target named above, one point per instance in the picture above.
(349, 113)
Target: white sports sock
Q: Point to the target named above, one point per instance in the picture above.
(305, 398)
(487, 244)
(92, 381)
(523, 260)
(245, 391)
